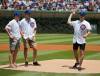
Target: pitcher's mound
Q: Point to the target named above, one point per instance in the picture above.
(59, 66)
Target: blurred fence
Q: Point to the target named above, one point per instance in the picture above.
(51, 21)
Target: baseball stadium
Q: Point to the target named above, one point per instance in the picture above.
(54, 38)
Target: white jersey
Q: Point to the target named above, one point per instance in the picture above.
(80, 29)
(14, 28)
(28, 28)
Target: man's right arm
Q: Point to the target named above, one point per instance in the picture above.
(8, 29)
(70, 17)
(21, 31)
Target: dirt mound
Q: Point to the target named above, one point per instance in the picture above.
(59, 66)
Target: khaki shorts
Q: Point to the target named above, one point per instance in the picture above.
(14, 44)
(28, 42)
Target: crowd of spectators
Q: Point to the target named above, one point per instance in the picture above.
(57, 5)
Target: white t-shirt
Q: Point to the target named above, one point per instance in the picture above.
(80, 29)
(28, 28)
(13, 25)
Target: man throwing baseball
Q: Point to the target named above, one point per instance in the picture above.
(28, 31)
(82, 29)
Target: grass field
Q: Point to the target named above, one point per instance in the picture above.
(55, 38)
(48, 54)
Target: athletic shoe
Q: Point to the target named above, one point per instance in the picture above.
(79, 68)
(75, 65)
(26, 63)
(36, 64)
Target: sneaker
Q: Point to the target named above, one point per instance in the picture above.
(75, 65)
(36, 64)
(79, 68)
(26, 63)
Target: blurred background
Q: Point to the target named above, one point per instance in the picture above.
(57, 5)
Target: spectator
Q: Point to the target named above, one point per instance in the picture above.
(15, 4)
(57, 5)
(4, 4)
(54, 5)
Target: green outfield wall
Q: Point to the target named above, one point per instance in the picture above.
(51, 21)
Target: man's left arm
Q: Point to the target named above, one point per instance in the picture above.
(88, 30)
(87, 34)
(34, 30)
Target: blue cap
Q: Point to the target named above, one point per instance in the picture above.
(82, 13)
(28, 12)
(16, 13)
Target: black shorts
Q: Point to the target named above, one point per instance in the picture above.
(81, 46)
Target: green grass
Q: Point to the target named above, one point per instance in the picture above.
(55, 38)
(22, 73)
(49, 54)
(44, 55)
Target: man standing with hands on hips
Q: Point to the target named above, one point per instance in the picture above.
(13, 31)
(28, 31)
(82, 29)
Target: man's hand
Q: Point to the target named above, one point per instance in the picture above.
(73, 12)
(21, 32)
(85, 36)
(34, 38)
(12, 37)
(88, 33)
